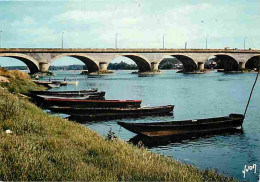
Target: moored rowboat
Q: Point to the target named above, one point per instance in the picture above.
(90, 103)
(85, 95)
(56, 93)
(90, 114)
(49, 84)
(52, 85)
(163, 129)
(86, 111)
(43, 100)
(150, 142)
(72, 82)
(62, 83)
(80, 97)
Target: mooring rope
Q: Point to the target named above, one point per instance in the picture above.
(252, 88)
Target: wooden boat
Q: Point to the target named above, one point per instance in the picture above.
(72, 82)
(151, 142)
(163, 129)
(52, 85)
(71, 95)
(90, 114)
(97, 94)
(49, 84)
(137, 111)
(66, 93)
(44, 99)
(47, 102)
(42, 82)
(81, 97)
(62, 83)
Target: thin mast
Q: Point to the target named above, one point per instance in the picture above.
(252, 87)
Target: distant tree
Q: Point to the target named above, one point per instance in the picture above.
(169, 63)
(122, 66)
(167, 66)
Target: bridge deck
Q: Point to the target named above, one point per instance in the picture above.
(111, 50)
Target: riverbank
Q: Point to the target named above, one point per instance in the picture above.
(38, 147)
(17, 81)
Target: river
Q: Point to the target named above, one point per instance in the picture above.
(194, 96)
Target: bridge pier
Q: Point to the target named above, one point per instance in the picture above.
(103, 66)
(44, 67)
(201, 66)
(154, 66)
(242, 65)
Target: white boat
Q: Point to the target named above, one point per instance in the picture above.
(72, 82)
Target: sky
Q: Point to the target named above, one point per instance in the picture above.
(137, 23)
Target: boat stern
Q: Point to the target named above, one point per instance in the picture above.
(238, 118)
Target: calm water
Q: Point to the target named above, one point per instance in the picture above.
(194, 97)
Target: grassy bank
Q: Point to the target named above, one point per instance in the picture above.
(44, 148)
(20, 82)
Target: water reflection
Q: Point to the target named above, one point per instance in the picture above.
(151, 142)
(87, 119)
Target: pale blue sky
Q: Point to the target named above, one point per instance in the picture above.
(139, 23)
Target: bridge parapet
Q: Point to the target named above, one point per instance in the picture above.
(111, 50)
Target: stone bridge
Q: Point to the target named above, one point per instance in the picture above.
(40, 59)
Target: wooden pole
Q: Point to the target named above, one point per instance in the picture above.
(252, 87)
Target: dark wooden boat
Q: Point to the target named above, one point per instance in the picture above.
(163, 129)
(171, 140)
(137, 111)
(53, 85)
(44, 100)
(75, 95)
(97, 95)
(42, 82)
(57, 93)
(62, 83)
(49, 84)
(90, 114)
(47, 102)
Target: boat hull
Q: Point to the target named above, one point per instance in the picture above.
(70, 95)
(151, 142)
(47, 102)
(64, 93)
(162, 129)
(92, 114)
(53, 85)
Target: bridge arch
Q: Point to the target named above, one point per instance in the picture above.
(30, 62)
(188, 63)
(170, 63)
(91, 65)
(227, 62)
(252, 62)
(142, 63)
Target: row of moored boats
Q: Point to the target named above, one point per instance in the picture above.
(90, 105)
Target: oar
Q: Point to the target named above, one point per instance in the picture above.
(252, 88)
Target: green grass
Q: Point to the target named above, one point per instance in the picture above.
(21, 86)
(47, 148)
(20, 82)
